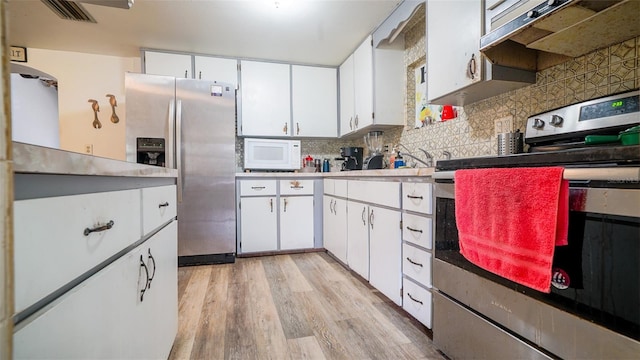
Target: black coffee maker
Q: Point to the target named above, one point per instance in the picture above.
(352, 157)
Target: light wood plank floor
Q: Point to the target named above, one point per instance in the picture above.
(299, 306)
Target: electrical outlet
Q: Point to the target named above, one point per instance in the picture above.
(503, 125)
(88, 149)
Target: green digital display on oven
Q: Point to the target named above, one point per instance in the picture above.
(617, 104)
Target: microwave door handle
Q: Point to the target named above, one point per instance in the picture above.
(179, 147)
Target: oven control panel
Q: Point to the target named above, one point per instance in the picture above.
(590, 116)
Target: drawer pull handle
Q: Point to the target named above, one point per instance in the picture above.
(257, 187)
(105, 227)
(297, 187)
(371, 219)
(146, 271)
(416, 300)
(411, 261)
(414, 197)
(285, 205)
(153, 261)
(164, 204)
(416, 230)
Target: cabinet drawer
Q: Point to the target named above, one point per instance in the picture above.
(375, 192)
(158, 206)
(257, 187)
(51, 248)
(340, 188)
(329, 186)
(417, 197)
(416, 301)
(416, 264)
(417, 230)
(296, 187)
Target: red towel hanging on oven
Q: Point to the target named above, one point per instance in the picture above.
(509, 221)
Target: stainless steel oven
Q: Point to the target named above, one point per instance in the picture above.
(593, 309)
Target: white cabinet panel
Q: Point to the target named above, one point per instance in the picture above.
(377, 192)
(340, 188)
(347, 100)
(296, 222)
(216, 69)
(358, 238)
(417, 230)
(363, 84)
(417, 302)
(328, 186)
(385, 272)
(257, 187)
(314, 95)
(416, 264)
(296, 187)
(265, 99)
(258, 224)
(105, 318)
(159, 63)
(335, 227)
(446, 74)
(158, 206)
(417, 197)
(58, 241)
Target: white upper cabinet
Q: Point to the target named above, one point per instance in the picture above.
(363, 84)
(347, 102)
(314, 94)
(372, 87)
(216, 69)
(159, 63)
(453, 54)
(265, 108)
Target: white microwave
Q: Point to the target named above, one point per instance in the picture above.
(271, 154)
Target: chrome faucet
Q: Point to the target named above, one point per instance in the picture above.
(447, 155)
(415, 158)
(428, 156)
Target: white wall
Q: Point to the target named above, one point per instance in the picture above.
(34, 112)
(82, 77)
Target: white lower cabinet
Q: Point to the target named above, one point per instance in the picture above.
(358, 238)
(417, 301)
(109, 316)
(276, 215)
(259, 224)
(335, 227)
(385, 252)
(296, 222)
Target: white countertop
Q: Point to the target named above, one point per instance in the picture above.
(43, 160)
(404, 172)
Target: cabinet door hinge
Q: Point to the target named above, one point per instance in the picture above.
(373, 115)
(400, 292)
(400, 224)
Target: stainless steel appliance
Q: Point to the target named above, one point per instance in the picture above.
(593, 310)
(196, 120)
(352, 157)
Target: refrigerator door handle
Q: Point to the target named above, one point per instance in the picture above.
(171, 162)
(179, 147)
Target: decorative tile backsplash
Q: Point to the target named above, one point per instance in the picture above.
(603, 72)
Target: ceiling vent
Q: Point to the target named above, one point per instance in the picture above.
(69, 10)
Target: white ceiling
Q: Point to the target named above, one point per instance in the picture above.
(322, 32)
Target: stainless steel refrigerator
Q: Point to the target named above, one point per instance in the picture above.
(191, 123)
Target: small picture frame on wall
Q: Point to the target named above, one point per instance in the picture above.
(18, 54)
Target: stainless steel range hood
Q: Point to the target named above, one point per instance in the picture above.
(557, 30)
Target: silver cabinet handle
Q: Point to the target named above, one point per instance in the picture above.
(271, 204)
(412, 298)
(153, 261)
(371, 219)
(104, 227)
(331, 206)
(356, 121)
(297, 128)
(413, 262)
(335, 202)
(364, 221)
(472, 67)
(351, 123)
(164, 204)
(285, 204)
(258, 187)
(415, 230)
(200, 75)
(146, 283)
(414, 197)
(285, 129)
